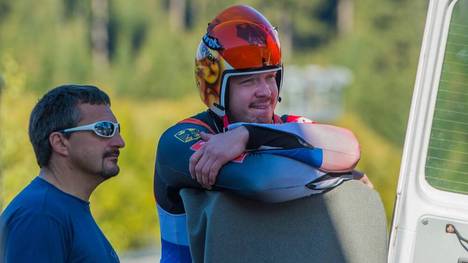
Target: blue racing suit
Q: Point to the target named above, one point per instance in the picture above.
(282, 164)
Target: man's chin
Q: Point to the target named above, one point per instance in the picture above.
(254, 117)
(110, 172)
(258, 115)
(263, 118)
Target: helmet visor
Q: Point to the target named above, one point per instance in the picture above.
(245, 45)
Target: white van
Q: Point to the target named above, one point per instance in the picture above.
(430, 221)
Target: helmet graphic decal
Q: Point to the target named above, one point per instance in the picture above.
(208, 74)
(212, 42)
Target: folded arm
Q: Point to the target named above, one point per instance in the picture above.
(326, 147)
(261, 175)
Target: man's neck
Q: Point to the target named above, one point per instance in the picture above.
(76, 184)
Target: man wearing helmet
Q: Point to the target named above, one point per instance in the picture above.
(239, 144)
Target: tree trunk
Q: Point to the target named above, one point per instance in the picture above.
(177, 15)
(99, 32)
(345, 17)
(286, 34)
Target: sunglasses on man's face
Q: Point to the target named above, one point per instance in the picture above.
(106, 129)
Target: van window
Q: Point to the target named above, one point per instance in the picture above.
(447, 158)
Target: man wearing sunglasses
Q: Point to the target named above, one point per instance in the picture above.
(239, 144)
(77, 142)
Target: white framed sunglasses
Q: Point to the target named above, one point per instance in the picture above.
(106, 129)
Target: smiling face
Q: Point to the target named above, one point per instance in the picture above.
(90, 153)
(253, 98)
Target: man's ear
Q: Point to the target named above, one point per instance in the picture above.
(59, 143)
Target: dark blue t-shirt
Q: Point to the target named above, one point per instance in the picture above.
(44, 224)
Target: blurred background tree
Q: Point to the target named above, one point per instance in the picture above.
(142, 53)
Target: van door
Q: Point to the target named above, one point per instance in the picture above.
(430, 221)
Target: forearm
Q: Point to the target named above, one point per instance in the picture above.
(339, 148)
(264, 177)
(259, 136)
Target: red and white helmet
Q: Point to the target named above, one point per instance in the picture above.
(239, 41)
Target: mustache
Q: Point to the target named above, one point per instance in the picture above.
(112, 153)
(261, 100)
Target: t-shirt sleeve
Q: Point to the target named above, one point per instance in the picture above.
(35, 238)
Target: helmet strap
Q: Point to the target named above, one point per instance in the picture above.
(218, 109)
(225, 121)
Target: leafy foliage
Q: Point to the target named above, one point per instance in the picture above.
(149, 75)
(383, 54)
(380, 159)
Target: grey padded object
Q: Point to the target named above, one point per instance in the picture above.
(346, 224)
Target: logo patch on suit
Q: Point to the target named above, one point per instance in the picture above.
(188, 135)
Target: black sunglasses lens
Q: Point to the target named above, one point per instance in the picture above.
(104, 128)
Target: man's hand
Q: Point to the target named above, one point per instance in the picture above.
(362, 177)
(217, 150)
